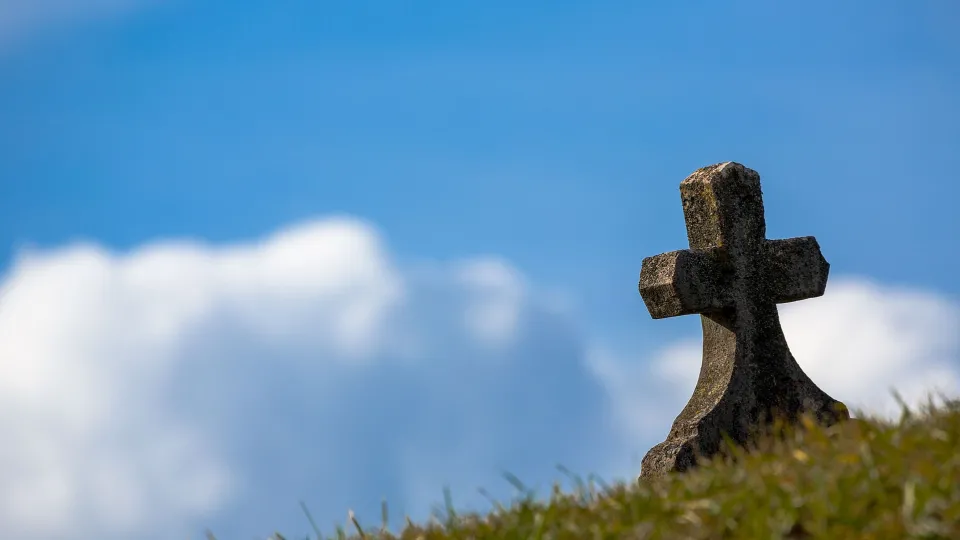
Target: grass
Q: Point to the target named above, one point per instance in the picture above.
(865, 478)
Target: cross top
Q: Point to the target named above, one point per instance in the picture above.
(734, 278)
(730, 263)
(722, 206)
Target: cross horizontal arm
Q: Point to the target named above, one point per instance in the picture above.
(796, 269)
(683, 282)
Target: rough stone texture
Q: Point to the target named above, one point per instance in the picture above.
(734, 277)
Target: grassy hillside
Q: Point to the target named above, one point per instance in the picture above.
(863, 479)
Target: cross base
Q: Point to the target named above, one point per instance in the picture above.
(737, 394)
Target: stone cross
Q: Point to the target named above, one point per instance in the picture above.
(734, 278)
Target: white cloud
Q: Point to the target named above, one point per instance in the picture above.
(144, 393)
(19, 18)
(857, 342)
(497, 292)
(180, 385)
(864, 339)
(88, 339)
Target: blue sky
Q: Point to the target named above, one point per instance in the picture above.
(456, 198)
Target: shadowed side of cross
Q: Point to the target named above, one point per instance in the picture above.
(734, 278)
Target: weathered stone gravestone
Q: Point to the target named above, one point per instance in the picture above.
(734, 278)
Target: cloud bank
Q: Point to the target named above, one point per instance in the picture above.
(153, 393)
(178, 381)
